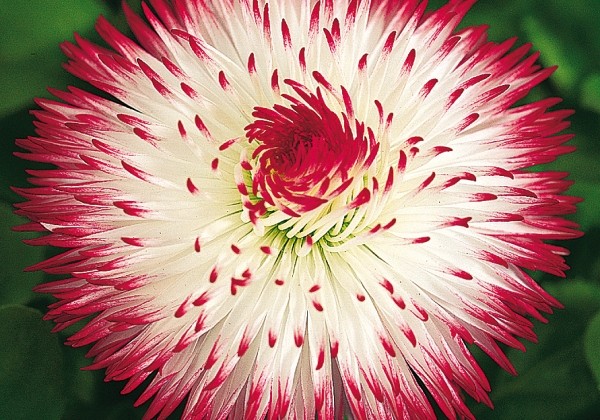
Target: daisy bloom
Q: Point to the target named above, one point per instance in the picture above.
(298, 208)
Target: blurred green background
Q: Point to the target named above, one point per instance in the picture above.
(558, 378)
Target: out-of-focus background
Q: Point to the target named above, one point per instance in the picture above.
(559, 378)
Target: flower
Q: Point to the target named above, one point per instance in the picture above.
(293, 207)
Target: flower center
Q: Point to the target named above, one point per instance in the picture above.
(292, 151)
(307, 154)
(316, 172)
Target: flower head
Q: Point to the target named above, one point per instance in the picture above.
(284, 208)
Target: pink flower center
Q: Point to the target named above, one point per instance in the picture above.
(307, 154)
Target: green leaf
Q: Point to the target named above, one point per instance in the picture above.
(81, 384)
(581, 165)
(587, 211)
(502, 21)
(12, 169)
(91, 398)
(27, 27)
(32, 384)
(24, 79)
(556, 388)
(554, 381)
(581, 300)
(124, 410)
(576, 22)
(584, 259)
(592, 347)
(556, 50)
(15, 256)
(29, 55)
(590, 93)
